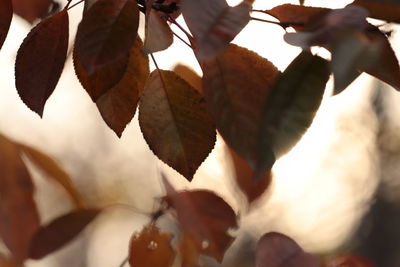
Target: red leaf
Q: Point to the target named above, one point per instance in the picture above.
(106, 34)
(204, 217)
(214, 24)
(6, 12)
(349, 261)
(151, 248)
(278, 250)
(381, 10)
(19, 217)
(40, 61)
(59, 232)
(175, 123)
(31, 10)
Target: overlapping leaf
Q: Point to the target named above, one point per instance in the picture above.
(236, 85)
(117, 103)
(174, 120)
(158, 35)
(6, 12)
(19, 217)
(106, 34)
(59, 232)
(189, 75)
(54, 171)
(384, 10)
(349, 261)
(214, 24)
(151, 248)
(277, 250)
(31, 10)
(40, 61)
(204, 217)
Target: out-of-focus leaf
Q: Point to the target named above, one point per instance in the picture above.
(189, 75)
(60, 231)
(236, 85)
(151, 248)
(158, 35)
(244, 175)
(53, 170)
(6, 12)
(31, 10)
(349, 261)
(301, 15)
(204, 217)
(117, 104)
(301, 2)
(40, 61)
(19, 217)
(292, 104)
(190, 252)
(278, 250)
(384, 10)
(214, 24)
(7, 262)
(106, 34)
(175, 123)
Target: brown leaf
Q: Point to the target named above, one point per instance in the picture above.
(278, 250)
(158, 35)
(175, 123)
(59, 232)
(349, 261)
(6, 12)
(31, 10)
(40, 61)
(19, 217)
(7, 262)
(106, 34)
(53, 170)
(151, 248)
(214, 24)
(302, 15)
(189, 251)
(204, 217)
(236, 85)
(381, 10)
(189, 75)
(244, 176)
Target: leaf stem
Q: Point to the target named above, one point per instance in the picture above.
(189, 36)
(77, 3)
(180, 38)
(284, 25)
(123, 262)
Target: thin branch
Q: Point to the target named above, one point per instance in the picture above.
(125, 261)
(180, 38)
(77, 3)
(284, 25)
(189, 36)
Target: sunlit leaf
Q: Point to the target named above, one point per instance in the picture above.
(175, 123)
(31, 10)
(106, 34)
(40, 61)
(235, 86)
(152, 248)
(277, 250)
(59, 232)
(214, 24)
(19, 217)
(204, 217)
(189, 75)
(384, 10)
(158, 35)
(244, 176)
(291, 105)
(6, 12)
(54, 171)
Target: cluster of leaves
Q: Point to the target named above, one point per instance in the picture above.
(260, 111)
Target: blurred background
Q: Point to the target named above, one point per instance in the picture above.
(337, 191)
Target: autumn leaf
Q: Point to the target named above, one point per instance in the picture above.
(389, 11)
(40, 61)
(214, 24)
(189, 75)
(54, 171)
(6, 12)
(236, 85)
(277, 250)
(158, 35)
(175, 123)
(291, 105)
(19, 217)
(59, 232)
(204, 217)
(244, 176)
(31, 10)
(189, 251)
(7, 262)
(152, 248)
(106, 34)
(349, 261)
